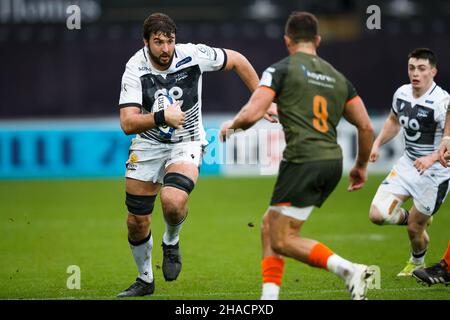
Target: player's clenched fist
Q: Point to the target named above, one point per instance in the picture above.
(174, 116)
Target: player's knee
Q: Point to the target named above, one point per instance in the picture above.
(277, 247)
(173, 205)
(375, 215)
(137, 226)
(174, 201)
(385, 208)
(278, 244)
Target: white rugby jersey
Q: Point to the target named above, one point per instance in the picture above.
(422, 119)
(142, 84)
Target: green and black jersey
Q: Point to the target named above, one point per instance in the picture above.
(311, 96)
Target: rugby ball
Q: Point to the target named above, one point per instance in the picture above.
(162, 102)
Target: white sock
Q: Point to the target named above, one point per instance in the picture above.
(270, 291)
(142, 254)
(418, 258)
(339, 266)
(172, 233)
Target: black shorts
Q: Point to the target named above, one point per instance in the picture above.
(306, 184)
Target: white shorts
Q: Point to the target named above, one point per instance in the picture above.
(148, 160)
(427, 190)
(301, 214)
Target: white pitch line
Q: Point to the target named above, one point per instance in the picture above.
(291, 292)
(212, 294)
(353, 236)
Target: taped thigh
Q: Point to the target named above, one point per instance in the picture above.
(387, 204)
(140, 205)
(179, 181)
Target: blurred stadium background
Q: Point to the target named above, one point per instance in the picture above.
(59, 120)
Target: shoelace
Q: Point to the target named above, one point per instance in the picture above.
(172, 256)
(134, 286)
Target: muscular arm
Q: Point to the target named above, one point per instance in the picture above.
(132, 121)
(355, 112)
(240, 64)
(251, 112)
(390, 129)
(254, 109)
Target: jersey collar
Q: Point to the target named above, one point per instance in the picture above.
(426, 94)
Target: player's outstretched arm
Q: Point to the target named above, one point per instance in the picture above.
(254, 110)
(355, 112)
(390, 129)
(132, 121)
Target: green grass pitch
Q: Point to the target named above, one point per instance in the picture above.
(47, 226)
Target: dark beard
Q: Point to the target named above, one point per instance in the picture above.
(157, 61)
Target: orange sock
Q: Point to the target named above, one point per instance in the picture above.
(272, 269)
(447, 255)
(319, 255)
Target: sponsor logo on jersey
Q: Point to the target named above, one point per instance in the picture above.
(317, 76)
(180, 76)
(144, 69)
(429, 101)
(422, 113)
(184, 61)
